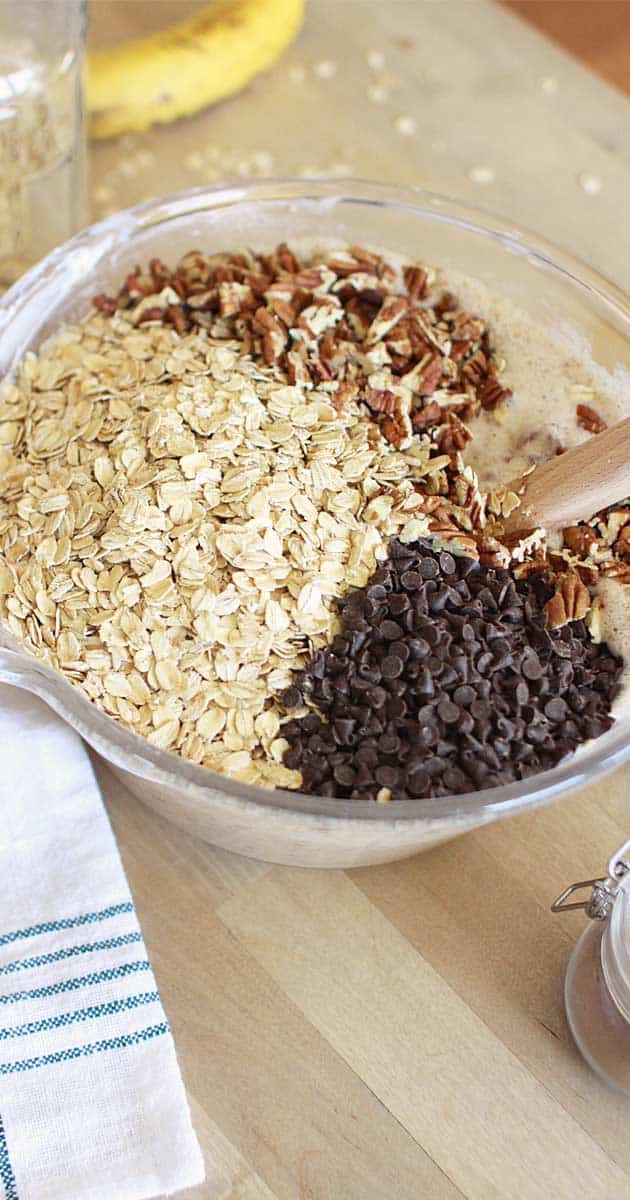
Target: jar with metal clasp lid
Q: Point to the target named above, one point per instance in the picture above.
(597, 981)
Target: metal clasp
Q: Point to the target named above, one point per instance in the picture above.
(604, 892)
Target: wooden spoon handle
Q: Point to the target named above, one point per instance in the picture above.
(574, 485)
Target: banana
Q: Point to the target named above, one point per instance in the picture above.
(185, 67)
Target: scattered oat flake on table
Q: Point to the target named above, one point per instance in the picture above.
(481, 174)
(325, 69)
(591, 184)
(375, 60)
(378, 93)
(405, 125)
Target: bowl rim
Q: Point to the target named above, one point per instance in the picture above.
(130, 750)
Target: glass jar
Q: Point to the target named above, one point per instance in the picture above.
(42, 169)
(597, 982)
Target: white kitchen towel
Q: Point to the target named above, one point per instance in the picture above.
(92, 1105)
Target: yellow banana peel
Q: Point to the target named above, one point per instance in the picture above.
(185, 67)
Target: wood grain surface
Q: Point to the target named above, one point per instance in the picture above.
(596, 31)
(393, 1033)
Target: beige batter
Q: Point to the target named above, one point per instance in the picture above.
(549, 374)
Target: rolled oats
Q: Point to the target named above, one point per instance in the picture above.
(174, 540)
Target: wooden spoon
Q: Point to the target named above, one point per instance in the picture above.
(574, 485)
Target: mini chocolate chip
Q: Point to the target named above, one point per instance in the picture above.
(411, 580)
(343, 730)
(447, 563)
(401, 650)
(425, 685)
(383, 695)
(483, 662)
(455, 780)
(531, 667)
(464, 695)
(392, 667)
(344, 775)
(389, 743)
(465, 723)
(448, 711)
(387, 776)
(418, 783)
(390, 630)
(399, 605)
(293, 757)
(367, 754)
(556, 709)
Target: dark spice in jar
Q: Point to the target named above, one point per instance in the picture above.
(445, 679)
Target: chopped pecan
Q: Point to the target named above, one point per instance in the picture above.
(616, 570)
(467, 326)
(105, 304)
(155, 313)
(273, 345)
(588, 419)
(446, 303)
(459, 350)
(425, 418)
(454, 436)
(287, 260)
(231, 297)
(416, 282)
(225, 275)
(579, 539)
(622, 545)
(136, 285)
(388, 315)
(431, 375)
(178, 317)
(381, 401)
(534, 566)
(344, 394)
(446, 531)
(492, 393)
(365, 258)
(570, 601)
(589, 575)
(475, 370)
(492, 553)
(393, 429)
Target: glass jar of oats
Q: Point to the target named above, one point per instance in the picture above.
(42, 182)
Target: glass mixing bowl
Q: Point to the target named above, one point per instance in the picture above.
(282, 826)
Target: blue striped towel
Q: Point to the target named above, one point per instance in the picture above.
(92, 1103)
